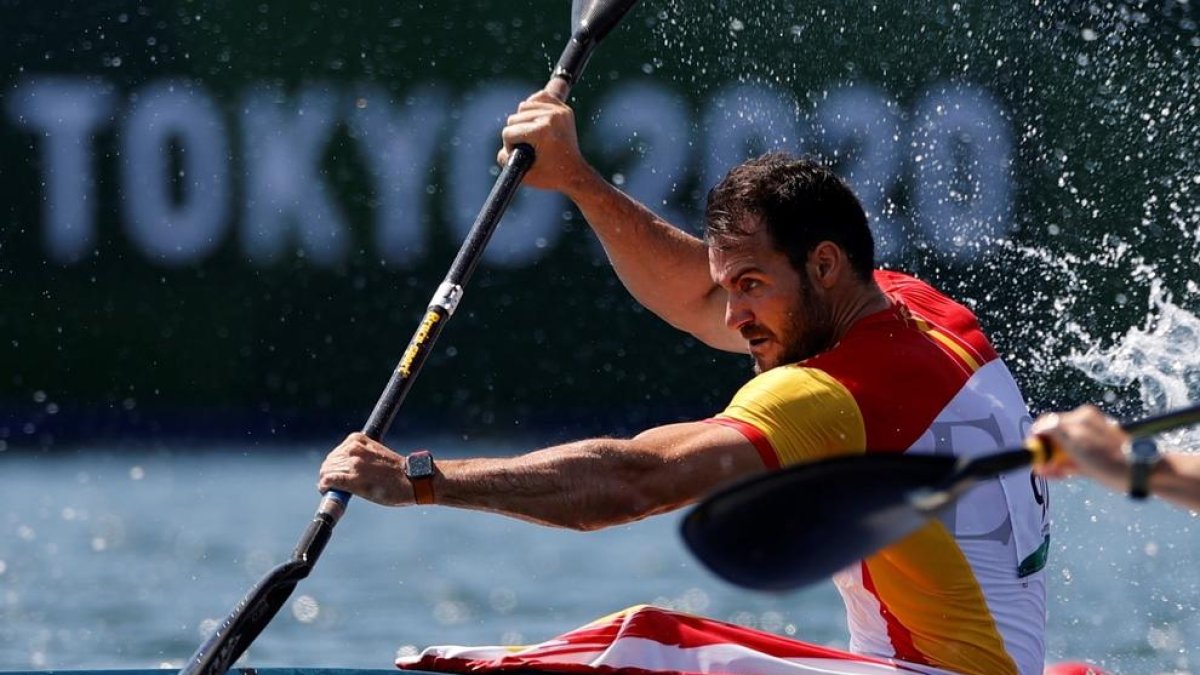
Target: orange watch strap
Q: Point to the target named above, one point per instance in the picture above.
(419, 469)
(422, 489)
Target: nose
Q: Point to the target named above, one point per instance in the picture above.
(737, 314)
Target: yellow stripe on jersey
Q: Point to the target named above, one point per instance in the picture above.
(950, 343)
(957, 631)
(963, 354)
(805, 414)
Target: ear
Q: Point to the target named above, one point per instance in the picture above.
(827, 263)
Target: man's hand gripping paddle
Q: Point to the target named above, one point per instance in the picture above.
(791, 528)
(592, 21)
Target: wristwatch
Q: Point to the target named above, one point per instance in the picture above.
(418, 466)
(1143, 456)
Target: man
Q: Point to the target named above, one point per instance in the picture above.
(1092, 444)
(849, 360)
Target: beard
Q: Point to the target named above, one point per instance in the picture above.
(807, 332)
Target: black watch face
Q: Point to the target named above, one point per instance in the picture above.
(1143, 449)
(419, 465)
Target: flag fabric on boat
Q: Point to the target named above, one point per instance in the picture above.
(646, 640)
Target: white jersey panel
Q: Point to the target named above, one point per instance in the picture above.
(1001, 525)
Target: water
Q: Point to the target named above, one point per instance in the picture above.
(1162, 358)
(122, 559)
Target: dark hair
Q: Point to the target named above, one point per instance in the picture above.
(800, 201)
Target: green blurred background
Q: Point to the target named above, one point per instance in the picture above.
(224, 219)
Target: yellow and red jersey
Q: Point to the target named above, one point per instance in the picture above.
(965, 593)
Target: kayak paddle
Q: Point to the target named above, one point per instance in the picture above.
(592, 20)
(791, 528)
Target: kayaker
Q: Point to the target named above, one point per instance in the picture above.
(1092, 444)
(848, 359)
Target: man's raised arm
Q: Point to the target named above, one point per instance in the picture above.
(663, 267)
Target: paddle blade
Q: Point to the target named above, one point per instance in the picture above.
(595, 18)
(247, 620)
(791, 528)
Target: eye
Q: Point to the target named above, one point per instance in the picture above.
(749, 284)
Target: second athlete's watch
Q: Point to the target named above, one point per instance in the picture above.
(418, 467)
(1143, 456)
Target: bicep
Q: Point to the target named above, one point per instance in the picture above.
(694, 458)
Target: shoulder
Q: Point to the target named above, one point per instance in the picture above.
(791, 382)
(798, 394)
(799, 413)
(935, 314)
(925, 300)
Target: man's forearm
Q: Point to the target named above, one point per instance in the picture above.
(586, 485)
(663, 267)
(1177, 479)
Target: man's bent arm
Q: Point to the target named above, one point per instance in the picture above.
(663, 267)
(1092, 443)
(1177, 479)
(586, 485)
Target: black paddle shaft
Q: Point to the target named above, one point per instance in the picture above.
(987, 466)
(594, 19)
(790, 528)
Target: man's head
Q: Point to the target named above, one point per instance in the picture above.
(789, 242)
(800, 201)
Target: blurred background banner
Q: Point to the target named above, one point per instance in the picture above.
(224, 219)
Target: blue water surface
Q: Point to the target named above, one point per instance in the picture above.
(123, 559)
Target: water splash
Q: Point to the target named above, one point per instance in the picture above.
(1162, 358)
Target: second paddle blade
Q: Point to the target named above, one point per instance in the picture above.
(791, 528)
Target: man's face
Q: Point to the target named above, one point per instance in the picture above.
(781, 314)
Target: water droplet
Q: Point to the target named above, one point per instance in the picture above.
(207, 627)
(503, 600)
(451, 613)
(407, 651)
(306, 609)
